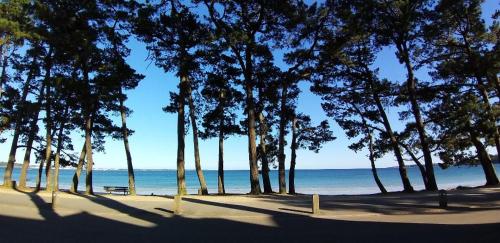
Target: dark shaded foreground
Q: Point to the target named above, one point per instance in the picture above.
(84, 227)
(88, 228)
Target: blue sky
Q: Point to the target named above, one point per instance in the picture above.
(154, 142)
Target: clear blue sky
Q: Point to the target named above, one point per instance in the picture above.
(154, 142)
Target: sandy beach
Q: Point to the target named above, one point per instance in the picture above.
(472, 215)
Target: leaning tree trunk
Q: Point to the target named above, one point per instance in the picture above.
(197, 159)
(265, 162)
(130, 168)
(293, 161)
(281, 140)
(417, 162)
(58, 151)
(17, 129)
(484, 157)
(394, 143)
(372, 162)
(31, 138)
(79, 168)
(415, 108)
(181, 173)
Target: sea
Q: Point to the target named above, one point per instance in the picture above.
(323, 181)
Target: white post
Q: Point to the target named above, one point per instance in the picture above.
(315, 204)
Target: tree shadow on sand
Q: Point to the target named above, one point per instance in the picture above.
(289, 227)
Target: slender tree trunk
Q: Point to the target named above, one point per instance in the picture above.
(394, 143)
(415, 107)
(417, 162)
(220, 171)
(130, 168)
(17, 129)
(58, 150)
(197, 159)
(90, 162)
(371, 150)
(90, 110)
(265, 162)
(79, 168)
(372, 162)
(252, 148)
(181, 174)
(31, 138)
(48, 149)
(484, 158)
(281, 140)
(293, 161)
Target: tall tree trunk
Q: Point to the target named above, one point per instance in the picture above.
(130, 168)
(58, 150)
(197, 159)
(293, 160)
(252, 147)
(372, 163)
(394, 143)
(48, 149)
(90, 162)
(484, 158)
(31, 138)
(220, 171)
(281, 140)
(181, 173)
(90, 110)
(265, 162)
(415, 107)
(79, 168)
(48, 119)
(21, 110)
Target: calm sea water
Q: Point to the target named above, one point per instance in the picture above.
(331, 181)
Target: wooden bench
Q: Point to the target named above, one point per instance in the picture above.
(110, 189)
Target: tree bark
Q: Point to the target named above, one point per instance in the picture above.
(293, 160)
(197, 159)
(90, 162)
(220, 171)
(48, 148)
(419, 165)
(252, 148)
(415, 107)
(484, 158)
(372, 163)
(281, 140)
(17, 129)
(181, 174)
(394, 143)
(58, 151)
(130, 167)
(78, 172)
(265, 162)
